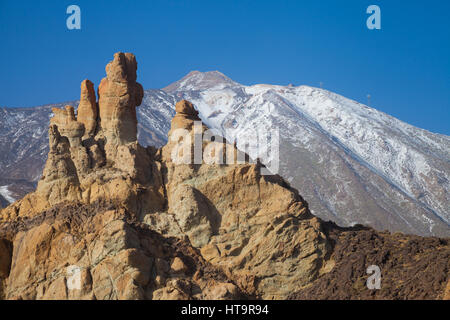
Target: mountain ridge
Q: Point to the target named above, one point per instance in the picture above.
(221, 102)
(271, 92)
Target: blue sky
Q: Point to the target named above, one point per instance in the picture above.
(405, 66)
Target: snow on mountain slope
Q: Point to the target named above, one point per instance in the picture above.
(380, 170)
(154, 116)
(196, 80)
(6, 194)
(353, 164)
(24, 141)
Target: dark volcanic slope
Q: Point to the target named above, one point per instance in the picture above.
(411, 266)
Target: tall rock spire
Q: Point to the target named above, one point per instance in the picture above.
(87, 108)
(98, 145)
(119, 95)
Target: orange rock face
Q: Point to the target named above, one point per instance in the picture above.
(185, 115)
(115, 258)
(119, 95)
(68, 125)
(185, 107)
(87, 108)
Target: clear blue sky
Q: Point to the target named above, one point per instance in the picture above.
(405, 66)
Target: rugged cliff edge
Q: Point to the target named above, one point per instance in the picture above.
(113, 220)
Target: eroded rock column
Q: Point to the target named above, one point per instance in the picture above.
(87, 112)
(119, 95)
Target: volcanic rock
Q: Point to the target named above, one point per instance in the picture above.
(59, 179)
(185, 115)
(68, 125)
(119, 95)
(113, 220)
(87, 111)
(89, 252)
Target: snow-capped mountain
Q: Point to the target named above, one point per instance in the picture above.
(353, 164)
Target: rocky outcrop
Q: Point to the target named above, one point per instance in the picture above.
(97, 252)
(411, 267)
(119, 95)
(5, 264)
(113, 220)
(87, 108)
(185, 115)
(60, 179)
(94, 153)
(253, 226)
(68, 125)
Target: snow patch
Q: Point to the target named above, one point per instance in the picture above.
(4, 191)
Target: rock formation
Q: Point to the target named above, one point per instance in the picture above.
(113, 220)
(185, 115)
(119, 95)
(87, 108)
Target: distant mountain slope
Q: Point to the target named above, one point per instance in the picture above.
(352, 163)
